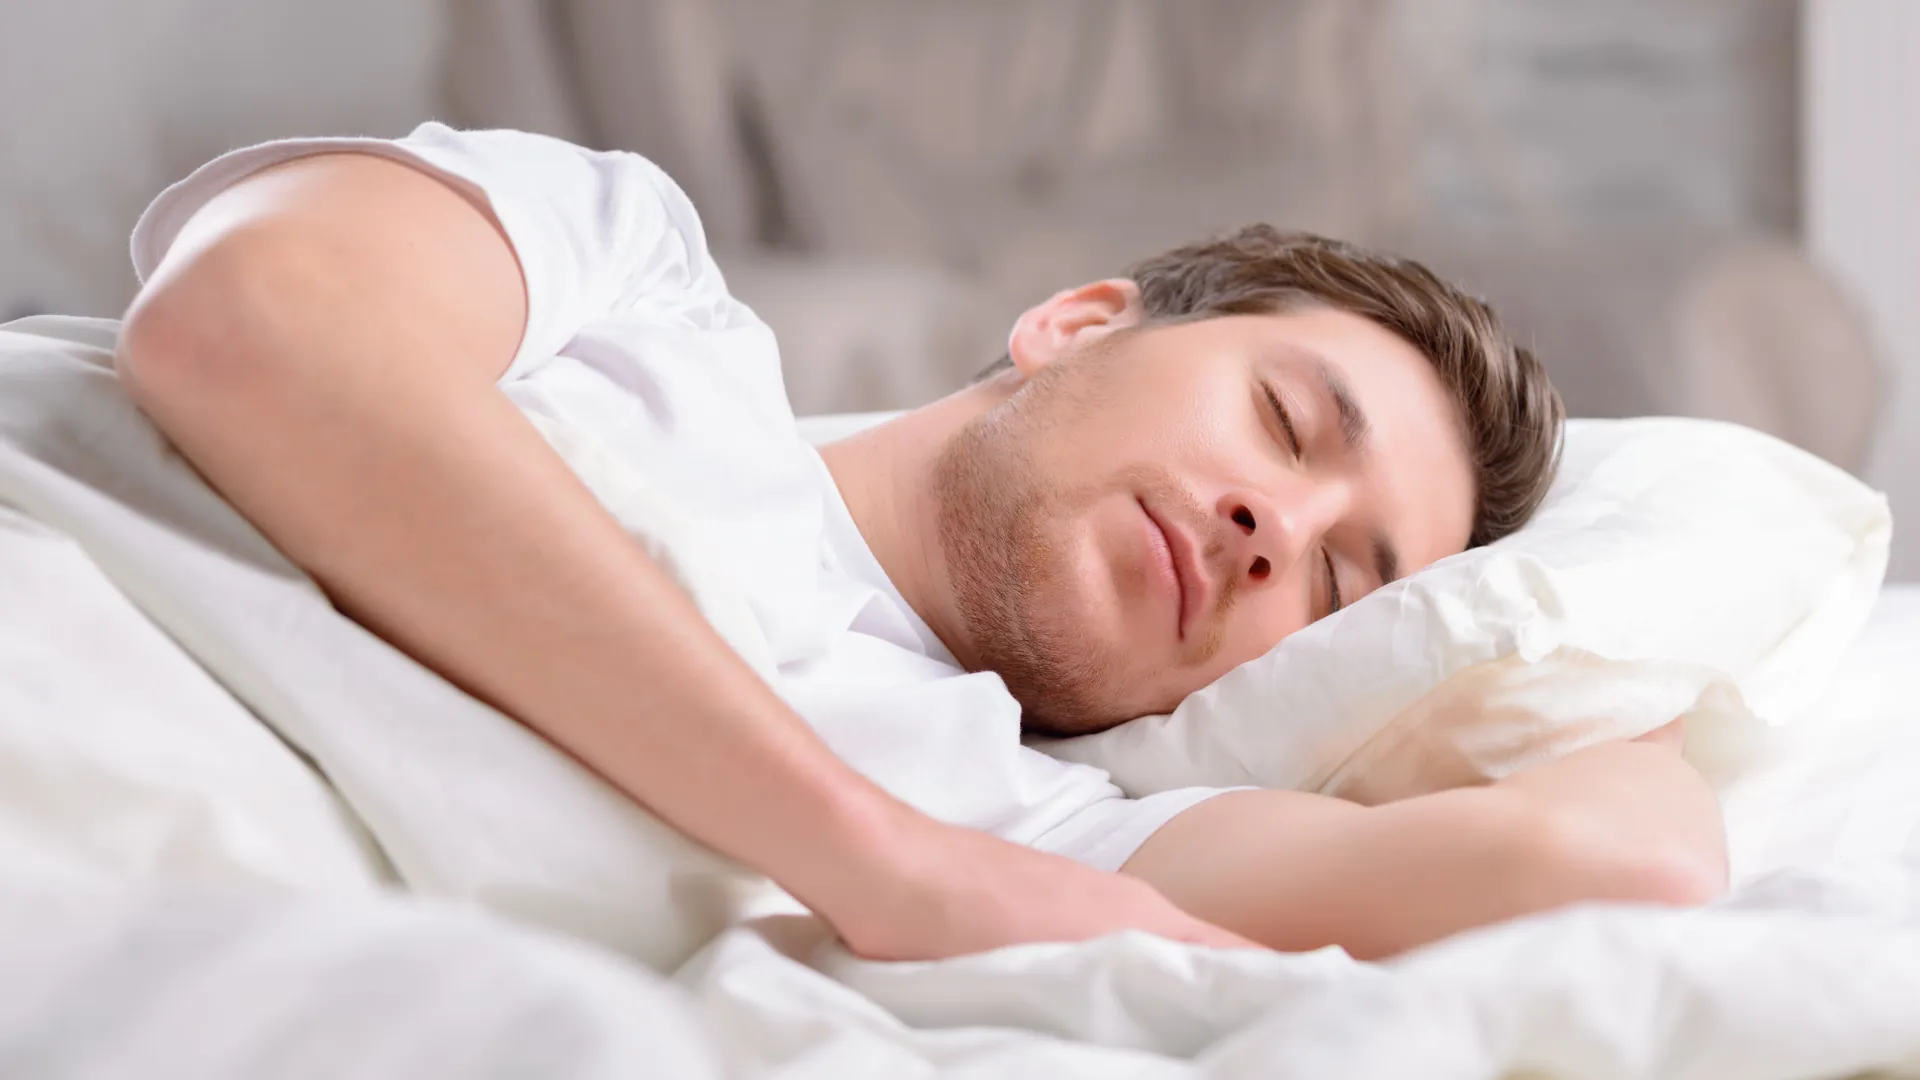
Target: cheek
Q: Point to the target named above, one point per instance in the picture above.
(1089, 589)
(1198, 422)
(1078, 570)
(1190, 417)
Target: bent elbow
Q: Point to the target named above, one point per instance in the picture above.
(189, 329)
(1671, 875)
(155, 344)
(1590, 862)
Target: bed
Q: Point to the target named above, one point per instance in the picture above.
(183, 893)
(1810, 968)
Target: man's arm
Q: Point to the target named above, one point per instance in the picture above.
(1626, 821)
(322, 341)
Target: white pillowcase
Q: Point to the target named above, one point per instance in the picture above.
(1677, 568)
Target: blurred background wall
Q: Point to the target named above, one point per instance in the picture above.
(1687, 206)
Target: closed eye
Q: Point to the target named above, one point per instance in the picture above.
(1333, 583)
(1280, 414)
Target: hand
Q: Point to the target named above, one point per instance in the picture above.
(956, 891)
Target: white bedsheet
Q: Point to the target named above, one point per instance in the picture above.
(1808, 970)
(235, 965)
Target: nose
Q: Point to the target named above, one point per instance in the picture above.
(1270, 534)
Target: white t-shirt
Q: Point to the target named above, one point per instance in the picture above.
(633, 338)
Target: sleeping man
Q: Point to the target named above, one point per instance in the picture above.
(1170, 472)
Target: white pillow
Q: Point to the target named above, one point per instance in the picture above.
(1677, 568)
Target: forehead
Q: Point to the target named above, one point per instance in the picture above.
(1340, 371)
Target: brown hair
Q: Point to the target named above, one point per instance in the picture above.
(1510, 413)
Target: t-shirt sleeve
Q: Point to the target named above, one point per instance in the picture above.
(596, 233)
(1106, 832)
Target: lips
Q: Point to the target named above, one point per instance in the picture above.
(1192, 583)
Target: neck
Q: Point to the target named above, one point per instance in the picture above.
(886, 476)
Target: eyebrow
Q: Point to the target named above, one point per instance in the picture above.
(1355, 431)
(1354, 428)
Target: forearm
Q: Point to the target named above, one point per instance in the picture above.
(315, 388)
(1296, 871)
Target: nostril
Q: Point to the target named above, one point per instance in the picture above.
(1243, 517)
(1260, 568)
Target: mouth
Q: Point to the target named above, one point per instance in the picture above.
(1189, 588)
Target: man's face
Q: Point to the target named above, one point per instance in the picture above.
(1155, 506)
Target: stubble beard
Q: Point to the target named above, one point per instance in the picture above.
(1006, 563)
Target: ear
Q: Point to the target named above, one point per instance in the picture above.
(1070, 319)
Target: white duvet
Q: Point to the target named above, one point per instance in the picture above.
(181, 894)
